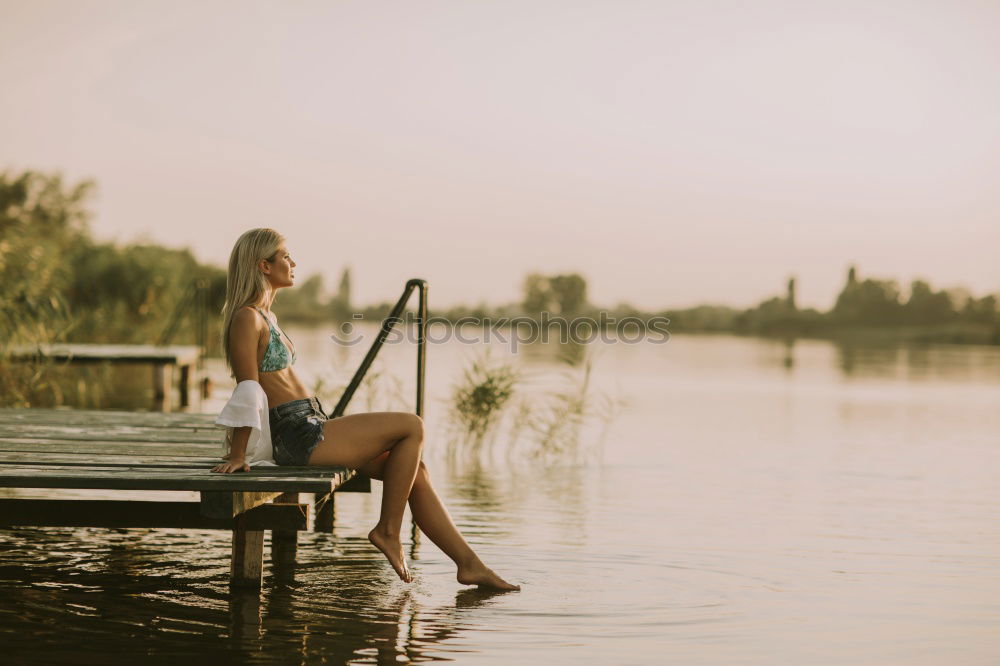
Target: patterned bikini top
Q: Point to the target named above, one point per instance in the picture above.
(276, 356)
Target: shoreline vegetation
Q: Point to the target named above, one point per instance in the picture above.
(61, 285)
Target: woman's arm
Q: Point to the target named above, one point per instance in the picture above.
(244, 336)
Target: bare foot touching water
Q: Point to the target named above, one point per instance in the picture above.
(481, 575)
(392, 548)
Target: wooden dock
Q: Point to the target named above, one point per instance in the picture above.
(129, 451)
(163, 359)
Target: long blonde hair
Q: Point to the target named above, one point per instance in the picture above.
(245, 283)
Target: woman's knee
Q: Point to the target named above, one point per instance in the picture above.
(404, 424)
(414, 426)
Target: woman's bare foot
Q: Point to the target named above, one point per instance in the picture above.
(481, 575)
(393, 551)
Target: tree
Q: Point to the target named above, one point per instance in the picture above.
(569, 293)
(41, 220)
(868, 302)
(537, 294)
(982, 310)
(340, 305)
(556, 294)
(926, 306)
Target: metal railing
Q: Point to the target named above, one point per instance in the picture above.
(391, 320)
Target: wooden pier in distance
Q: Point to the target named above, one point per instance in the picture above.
(130, 451)
(163, 360)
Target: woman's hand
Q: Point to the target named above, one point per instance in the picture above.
(235, 465)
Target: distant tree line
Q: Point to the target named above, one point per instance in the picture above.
(869, 307)
(877, 308)
(866, 308)
(61, 285)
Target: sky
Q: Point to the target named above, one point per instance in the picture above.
(673, 152)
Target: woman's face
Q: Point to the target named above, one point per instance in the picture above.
(281, 271)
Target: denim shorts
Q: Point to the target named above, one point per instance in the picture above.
(296, 429)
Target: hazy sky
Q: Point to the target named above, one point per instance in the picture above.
(674, 152)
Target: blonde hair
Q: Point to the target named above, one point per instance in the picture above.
(245, 284)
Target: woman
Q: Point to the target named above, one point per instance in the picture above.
(382, 445)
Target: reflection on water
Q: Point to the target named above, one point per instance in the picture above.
(759, 501)
(919, 362)
(162, 593)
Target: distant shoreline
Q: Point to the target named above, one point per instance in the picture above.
(958, 333)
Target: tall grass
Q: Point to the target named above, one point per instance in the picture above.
(554, 420)
(549, 426)
(478, 401)
(545, 424)
(60, 286)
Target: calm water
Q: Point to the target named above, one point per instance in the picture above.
(750, 503)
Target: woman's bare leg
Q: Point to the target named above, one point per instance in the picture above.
(434, 520)
(353, 440)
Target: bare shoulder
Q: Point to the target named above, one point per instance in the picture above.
(247, 319)
(246, 335)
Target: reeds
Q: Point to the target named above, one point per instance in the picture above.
(550, 426)
(545, 424)
(554, 420)
(477, 403)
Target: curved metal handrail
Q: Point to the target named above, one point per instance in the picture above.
(387, 324)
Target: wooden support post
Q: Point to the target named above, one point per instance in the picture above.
(284, 543)
(248, 555)
(323, 504)
(185, 385)
(162, 384)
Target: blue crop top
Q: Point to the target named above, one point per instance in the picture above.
(276, 356)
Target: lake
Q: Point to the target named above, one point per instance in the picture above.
(727, 501)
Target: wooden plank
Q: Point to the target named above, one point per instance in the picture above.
(107, 434)
(89, 417)
(65, 414)
(58, 439)
(262, 471)
(110, 424)
(85, 459)
(275, 479)
(94, 445)
(223, 504)
(287, 517)
(359, 483)
(247, 568)
(96, 353)
(79, 418)
(196, 441)
(116, 448)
